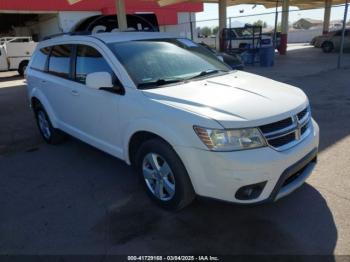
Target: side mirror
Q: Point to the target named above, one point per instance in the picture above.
(220, 57)
(104, 81)
(99, 80)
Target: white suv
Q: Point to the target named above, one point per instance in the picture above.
(170, 108)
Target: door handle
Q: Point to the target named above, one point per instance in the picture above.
(74, 92)
(43, 81)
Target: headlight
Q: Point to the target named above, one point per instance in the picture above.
(230, 139)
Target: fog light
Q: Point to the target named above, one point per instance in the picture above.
(250, 192)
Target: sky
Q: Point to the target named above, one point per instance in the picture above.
(211, 12)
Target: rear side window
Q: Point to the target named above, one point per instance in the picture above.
(59, 63)
(89, 60)
(39, 60)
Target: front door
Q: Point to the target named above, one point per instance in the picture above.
(95, 113)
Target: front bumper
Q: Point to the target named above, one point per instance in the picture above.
(221, 174)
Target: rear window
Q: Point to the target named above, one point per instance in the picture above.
(39, 60)
(59, 62)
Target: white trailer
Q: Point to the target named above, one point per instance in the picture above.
(15, 53)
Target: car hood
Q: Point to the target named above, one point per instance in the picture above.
(237, 99)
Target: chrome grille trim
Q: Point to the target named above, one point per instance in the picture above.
(305, 118)
(297, 126)
(280, 132)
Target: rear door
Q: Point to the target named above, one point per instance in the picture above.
(57, 82)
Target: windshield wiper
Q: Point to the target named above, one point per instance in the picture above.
(159, 82)
(207, 73)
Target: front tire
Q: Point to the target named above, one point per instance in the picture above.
(163, 174)
(50, 134)
(327, 47)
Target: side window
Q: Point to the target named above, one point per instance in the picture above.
(59, 62)
(40, 58)
(89, 60)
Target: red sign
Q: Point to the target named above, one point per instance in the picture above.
(166, 15)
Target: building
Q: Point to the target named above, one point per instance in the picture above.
(307, 23)
(39, 18)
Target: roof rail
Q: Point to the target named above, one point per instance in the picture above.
(68, 33)
(14, 38)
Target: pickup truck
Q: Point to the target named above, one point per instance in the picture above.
(15, 53)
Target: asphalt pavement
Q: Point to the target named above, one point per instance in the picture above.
(75, 199)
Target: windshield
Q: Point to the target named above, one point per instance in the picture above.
(153, 63)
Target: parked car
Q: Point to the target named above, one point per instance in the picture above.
(15, 53)
(185, 121)
(331, 41)
(317, 41)
(233, 60)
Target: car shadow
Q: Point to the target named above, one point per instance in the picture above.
(10, 78)
(301, 223)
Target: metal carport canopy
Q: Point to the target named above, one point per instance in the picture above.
(266, 3)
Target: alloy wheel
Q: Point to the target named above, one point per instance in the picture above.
(158, 176)
(44, 125)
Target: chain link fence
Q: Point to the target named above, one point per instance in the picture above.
(300, 31)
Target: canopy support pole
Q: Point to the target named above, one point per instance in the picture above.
(275, 31)
(327, 16)
(285, 27)
(340, 57)
(121, 14)
(222, 21)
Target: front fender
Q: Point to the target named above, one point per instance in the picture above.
(149, 125)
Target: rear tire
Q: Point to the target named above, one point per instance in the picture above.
(50, 134)
(22, 67)
(327, 47)
(163, 174)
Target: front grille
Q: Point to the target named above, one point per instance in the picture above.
(287, 132)
(302, 114)
(303, 129)
(277, 125)
(277, 142)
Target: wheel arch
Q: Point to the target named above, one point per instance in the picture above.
(136, 140)
(37, 98)
(145, 130)
(24, 61)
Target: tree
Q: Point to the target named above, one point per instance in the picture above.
(260, 23)
(206, 31)
(215, 30)
(279, 27)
